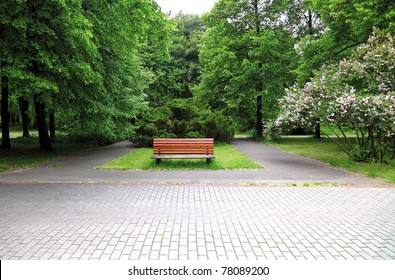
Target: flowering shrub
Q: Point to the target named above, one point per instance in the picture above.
(372, 118)
(358, 94)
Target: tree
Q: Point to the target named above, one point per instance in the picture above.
(178, 71)
(333, 29)
(5, 130)
(357, 94)
(80, 61)
(24, 108)
(247, 57)
(170, 110)
(9, 28)
(125, 32)
(346, 24)
(38, 48)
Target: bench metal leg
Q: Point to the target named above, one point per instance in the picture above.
(158, 160)
(208, 160)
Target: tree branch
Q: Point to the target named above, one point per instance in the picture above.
(348, 47)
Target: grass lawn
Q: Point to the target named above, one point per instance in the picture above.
(326, 151)
(226, 157)
(25, 152)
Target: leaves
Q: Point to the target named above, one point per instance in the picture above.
(84, 59)
(356, 94)
(244, 54)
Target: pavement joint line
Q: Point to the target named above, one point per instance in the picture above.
(174, 184)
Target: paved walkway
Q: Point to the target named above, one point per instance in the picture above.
(280, 168)
(189, 222)
(77, 212)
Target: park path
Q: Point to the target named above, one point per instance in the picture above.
(280, 168)
(79, 213)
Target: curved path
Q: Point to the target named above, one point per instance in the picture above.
(77, 212)
(280, 168)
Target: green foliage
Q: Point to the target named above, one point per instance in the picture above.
(347, 25)
(152, 123)
(177, 73)
(180, 118)
(98, 65)
(100, 134)
(356, 94)
(219, 127)
(171, 111)
(353, 20)
(84, 60)
(244, 55)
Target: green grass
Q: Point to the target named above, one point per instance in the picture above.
(226, 157)
(25, 152)
(247, 134)
(326, 151)
(333, 130)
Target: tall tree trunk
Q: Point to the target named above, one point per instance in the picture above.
(39, 107)
(317, 131)
(35, 126)
(14, 118)
(259, 124)
(393, 151)
(259, 89)
(5, 117)
(52, 126)
(24, 107)
(310, 23)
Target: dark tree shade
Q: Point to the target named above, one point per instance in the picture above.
(24, 107)
(5, 130)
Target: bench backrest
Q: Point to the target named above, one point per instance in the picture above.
(183, 146)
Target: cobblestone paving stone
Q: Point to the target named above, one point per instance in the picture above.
(189, 222)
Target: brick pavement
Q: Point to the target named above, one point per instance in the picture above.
(86, 221)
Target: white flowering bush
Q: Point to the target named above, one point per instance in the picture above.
(358, 94)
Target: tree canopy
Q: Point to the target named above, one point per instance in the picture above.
(104, 71)
(81, 60)
(245, 54)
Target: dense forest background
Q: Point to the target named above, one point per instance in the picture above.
(108, 70)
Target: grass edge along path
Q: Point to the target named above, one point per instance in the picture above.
(326, 151)
(226, 157)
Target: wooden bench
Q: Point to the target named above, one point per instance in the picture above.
(183, 148)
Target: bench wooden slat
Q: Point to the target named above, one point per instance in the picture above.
(205, 152)
(184, 140)
(183, 145)
(183, 151)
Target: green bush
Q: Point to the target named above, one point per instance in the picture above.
(94, 137)
(100, 135)
(194, 134)
(179, 118)
(219, 127)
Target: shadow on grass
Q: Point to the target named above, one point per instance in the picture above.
(25, 152)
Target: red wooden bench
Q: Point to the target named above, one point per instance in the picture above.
(183, 148)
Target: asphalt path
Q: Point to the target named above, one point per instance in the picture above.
(279, 168)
